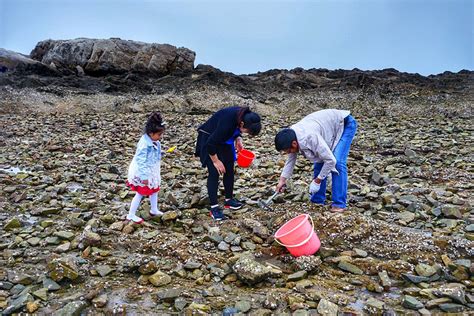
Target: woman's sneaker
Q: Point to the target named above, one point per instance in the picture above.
(233, 204)
(217, 214)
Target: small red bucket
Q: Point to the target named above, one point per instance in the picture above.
(245, 158)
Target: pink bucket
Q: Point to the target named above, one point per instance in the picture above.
(298, 236)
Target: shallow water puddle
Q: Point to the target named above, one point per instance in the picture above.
(12, 170)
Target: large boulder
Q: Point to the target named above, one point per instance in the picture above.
(113, 56)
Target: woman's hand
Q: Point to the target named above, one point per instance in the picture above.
(238, 144)
(219, 166)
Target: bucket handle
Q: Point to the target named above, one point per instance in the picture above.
(301, 243)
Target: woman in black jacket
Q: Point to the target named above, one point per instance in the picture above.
(218, 139)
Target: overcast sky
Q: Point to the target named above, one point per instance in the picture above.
(423, 36)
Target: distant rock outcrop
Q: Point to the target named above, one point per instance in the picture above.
(113, 56)
(10, 60)
(120, 74)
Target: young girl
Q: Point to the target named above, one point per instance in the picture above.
(144, 171)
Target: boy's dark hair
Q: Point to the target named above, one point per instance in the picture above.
(284, 139)
(252, 123)
(154, 124)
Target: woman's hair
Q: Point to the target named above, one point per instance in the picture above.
(251, 121)
(154, 124)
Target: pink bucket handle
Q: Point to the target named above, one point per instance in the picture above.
(304, 241)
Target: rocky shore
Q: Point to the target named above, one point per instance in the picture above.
(405, 245)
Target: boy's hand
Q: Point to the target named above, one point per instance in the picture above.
(281, 186)
(314, 187)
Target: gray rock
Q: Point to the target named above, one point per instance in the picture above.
(261, 231)
(425, 270)
(53, 241)
(414, 278)
(72, 309)
(250, 271)
(376, 178)
(360, 253)
(12, 224)
(169, 295)
(374, 306)
(17, 289)
(327, 308)
(20, 278)
(243, 306)
(180, 304)
(308, 263)
(159, 279)
(411, 302)
(454, 291)
(436, 211)
(80, 71)
(406, 217)
(148, 268)
(42, 294)
(196, 308)
(5, 285)
(436, 302)
(223, 246)
(89, 238)
(100, 301)
(235, 248)
(104, 270)
(410, 153)
(297, 276)
(451, 211)
(451, 308)
(50, 285)
(60, 269)
(63, 247)
(247, 245)
(191, 265)
(349, 267)
(463, 262)
(65, 235)
(385, 279)
(18, 303)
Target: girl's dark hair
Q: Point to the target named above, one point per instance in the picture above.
(154, 124)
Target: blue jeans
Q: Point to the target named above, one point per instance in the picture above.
(339, 181)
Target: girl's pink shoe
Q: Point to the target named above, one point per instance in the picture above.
(135, 219)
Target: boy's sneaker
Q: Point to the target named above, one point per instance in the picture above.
(216, 213)
(233, 204)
